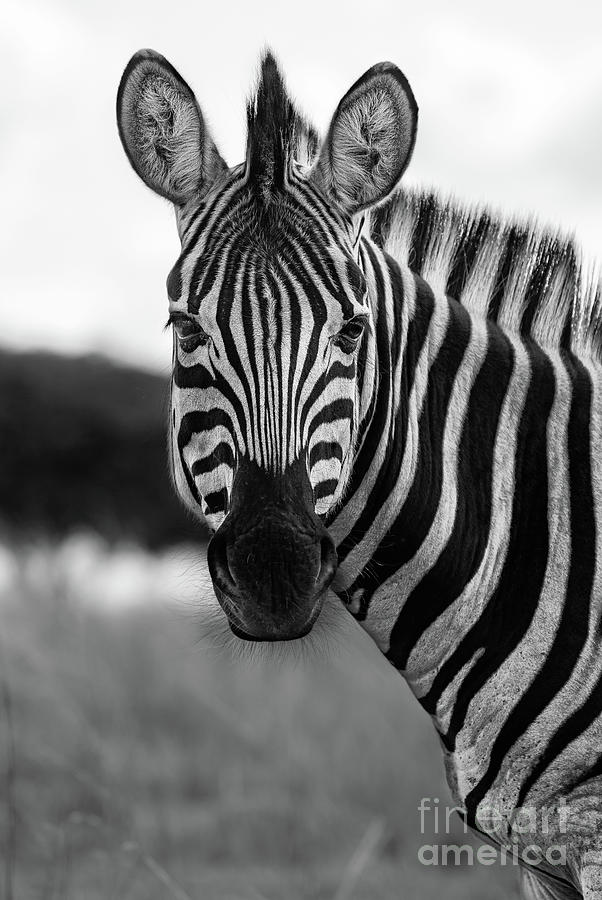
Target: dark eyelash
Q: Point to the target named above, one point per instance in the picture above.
(173, 318)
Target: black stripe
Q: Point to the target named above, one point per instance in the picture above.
(336, 409)
(397, 290)
(466, 254)
(189, 377)
(510, 609)
(425, 223)
(196, 423)
(276, 292)
(230, 343)
(571, 285)
(414, 519)
(576, 724)
(379, 421)
(248, 328)
(308, 362)
(295, 328)
(196, 376)
(364, 425)
(325, 450)
(325, 488)
(337, 370)
(515, 242)
(463, 553)
(174, 282)
(573, 627)
(222, 453)
(216, 502)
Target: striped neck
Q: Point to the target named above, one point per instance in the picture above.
(469, 545)
(439, 460)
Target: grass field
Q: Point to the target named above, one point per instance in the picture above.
(138, 761)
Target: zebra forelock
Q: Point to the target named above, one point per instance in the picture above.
(277, 133)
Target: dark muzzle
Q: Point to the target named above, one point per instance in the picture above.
(272, 558)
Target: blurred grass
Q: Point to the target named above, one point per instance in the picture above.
(148, 765)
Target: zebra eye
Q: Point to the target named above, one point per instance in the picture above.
(349, 335)
(189, 333)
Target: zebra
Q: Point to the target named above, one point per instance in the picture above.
(389, 399)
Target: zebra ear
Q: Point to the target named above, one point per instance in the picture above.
(162, 129)
(370, 140)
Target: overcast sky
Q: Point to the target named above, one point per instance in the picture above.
(510, 98)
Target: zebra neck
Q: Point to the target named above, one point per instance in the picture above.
(405, 478)
(471, 551)
(454, 499)
(431, 530)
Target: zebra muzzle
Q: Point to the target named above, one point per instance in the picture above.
(271, 562)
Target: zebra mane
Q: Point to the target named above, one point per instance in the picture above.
(527, 278)
(276, 132)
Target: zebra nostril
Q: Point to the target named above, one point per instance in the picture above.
(328, 564)
(217, 560)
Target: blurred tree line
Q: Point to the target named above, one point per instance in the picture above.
(83, 446)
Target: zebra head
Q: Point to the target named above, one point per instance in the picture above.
(272, 320)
